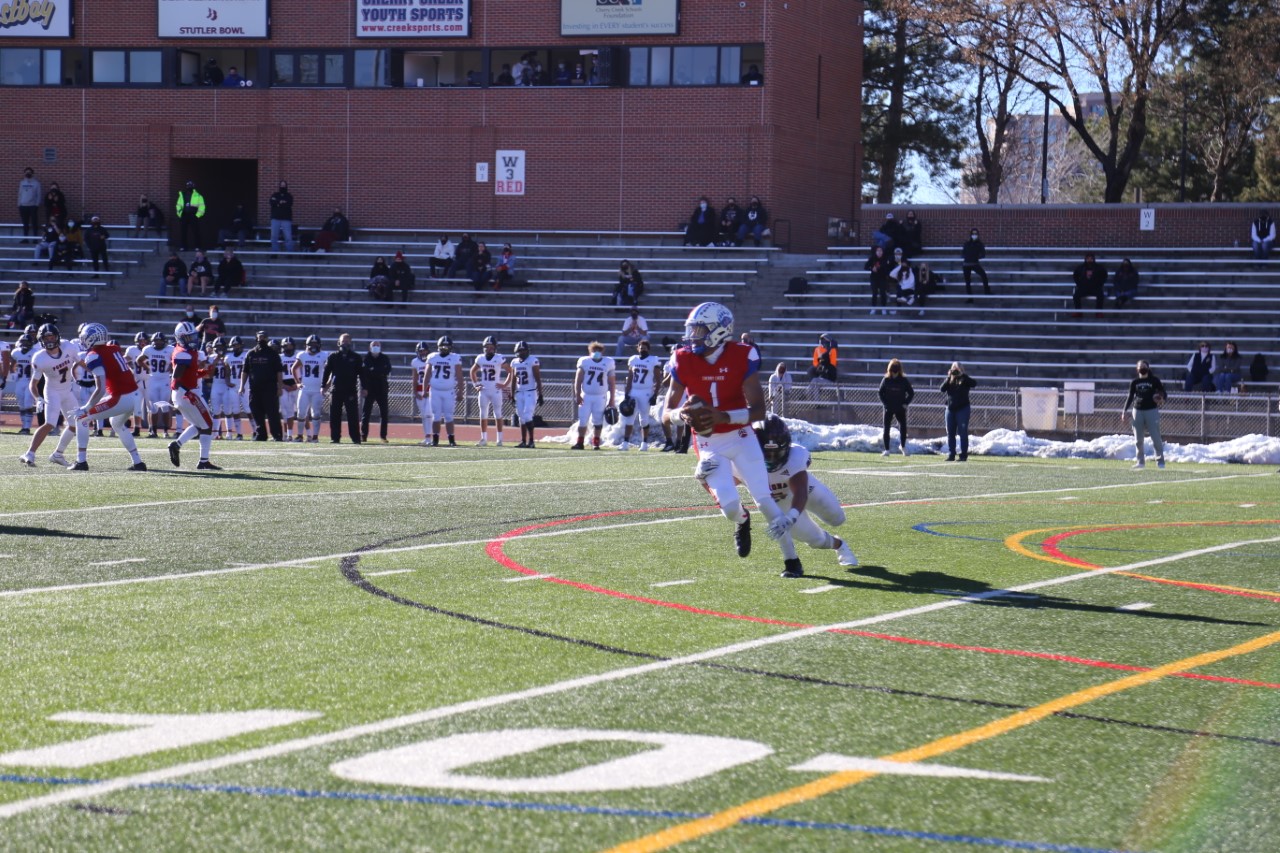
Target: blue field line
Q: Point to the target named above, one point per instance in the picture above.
(567, 808)
(926, 527)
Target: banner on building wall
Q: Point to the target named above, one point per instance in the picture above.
(35, 18)
(214, 19)
(619, 17)
(413, 18)
(509, 173)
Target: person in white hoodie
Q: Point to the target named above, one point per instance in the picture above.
(442, 255)
(29, 195)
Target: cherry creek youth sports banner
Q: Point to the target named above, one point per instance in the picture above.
(213, 19)
(413, 18)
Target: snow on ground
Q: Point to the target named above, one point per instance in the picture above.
(1247, 449)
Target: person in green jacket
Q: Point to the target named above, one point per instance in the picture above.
(190, 212)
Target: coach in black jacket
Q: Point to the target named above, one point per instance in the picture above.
(374, 385)
(342, 378)
(264, 371)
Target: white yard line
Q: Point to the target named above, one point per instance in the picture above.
(1137, 605)
(73, 793)
(672, 583)
(120, 562)
(389, 572)
(817, 589)
(520, 578)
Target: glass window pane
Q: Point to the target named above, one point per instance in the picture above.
(108, 66)
(660, 66)
(372, 68)
(730, 60)
(53, 67)
(284, 69)
(308, 69)
(20, 66)
(334, 64)
(695, 66)
(639, 67)
(144, 66)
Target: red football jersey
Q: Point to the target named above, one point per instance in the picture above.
(107, 359)
(719, 384)
(187, 363)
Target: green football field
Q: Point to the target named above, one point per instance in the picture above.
(400, 648)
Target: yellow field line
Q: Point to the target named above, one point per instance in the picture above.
(691, 830)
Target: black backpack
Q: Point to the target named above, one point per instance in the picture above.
(797, 285)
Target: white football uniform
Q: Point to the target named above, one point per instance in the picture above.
(595, 389)
(644, 373)
(20, 379)
(60, 372)
(133, 358)
(442, 374)
(158, 383)
(821, 502)
(489, 393)
(289, 399)
(420, 405)
(222, 397)
(237, 403)
(311, 393)
(526, 396)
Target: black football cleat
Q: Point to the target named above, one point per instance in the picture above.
(206, 465)
(792, 568)
(80, 466)
(742, 537)
(175, 454)
(138, 466)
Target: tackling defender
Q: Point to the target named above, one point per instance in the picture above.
(57, 365)
(725, 397)
(115, 394)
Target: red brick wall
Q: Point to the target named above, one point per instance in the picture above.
(1077, 226)
(630, 159)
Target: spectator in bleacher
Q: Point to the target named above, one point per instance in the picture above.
(912, 235)
(148, 216)
(190, 209)
(55, 205)
(464, 258)
(1228, 369)
(213, 75)
(75, 236)
(579, 76)
(562, 75)
(826, 357)
(29, 192)
(896, 394)
(338, 226)
(401, 275)
(63, 254)
(174, 274)
(482, 265)
(730, 219)
(23, 310)
(754, 222)
(240, 228)
(927, 283)
(956, 386)
(971, 255)
(1125, 283)
(703, 225)
(1262, 235)
(905, 276)
(753, 77)
(281, 204)
(779, 389)
(379, 283)
(1146, 393)
(233, 78)
(748, 340)
(200, 272)
(879, 266)
(1200, 369)
(95, 240)
(442, 254)
(630, 285)
(504, 269)
(889, 235)
(230, 272)
(211, 328)
(48, 241)
(634, 329)
(1090, 278)
(1258, 369)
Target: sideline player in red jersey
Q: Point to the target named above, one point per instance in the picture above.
(184, 386)
(115, 393)
(723, 381)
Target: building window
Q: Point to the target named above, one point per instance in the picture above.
(706, 65)
(696, 66)
(145, 66)
(660, 66)
(24, 66)
(108, 66)
(125, 67)
(639, 61)
(372, 69)
(306, 68)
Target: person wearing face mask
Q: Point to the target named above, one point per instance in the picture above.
(342, 378)
(1200, 369)
(703, 224)
(754, 222)
(1146, 393)
(1228, 369)
(200, 273)
(971, 255)
(264, 373)
(29, 192)
(1262, 234)
(912, 234)
(281, 203)
(148, 216)
(211, 328)
(63, 254)
(634, 329)
(230, 272)
(594, 387)
(374, 387)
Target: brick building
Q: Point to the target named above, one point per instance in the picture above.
(391, 126)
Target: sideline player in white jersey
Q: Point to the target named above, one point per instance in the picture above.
(798, 493)
(445, 384)
(489, 377)
(57, 362)
(157, 353)
(6, 367)
(644, 370)
(221, 394)
(237, 402)
(308, 370)
(420, 402)
(289, 399)
(594, 388)
(138, 364)
(19, 379)
(524, 384)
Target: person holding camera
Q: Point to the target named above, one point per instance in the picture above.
(1146, 393)
(825, 357)
(956, 386)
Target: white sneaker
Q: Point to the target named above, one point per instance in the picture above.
(1138, 465)
(58, 459)
(498, 443)
(644, 445)
(482, 442)
(426, 442)
(884, 453)
(28, 459)
(846, 556)
(624, 446)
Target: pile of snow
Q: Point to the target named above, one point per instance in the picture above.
(1247, 449)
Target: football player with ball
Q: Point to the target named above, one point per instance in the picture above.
(725, 397)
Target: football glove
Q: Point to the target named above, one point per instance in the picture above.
(779, 526)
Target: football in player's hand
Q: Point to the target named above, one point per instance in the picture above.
(698, 416)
